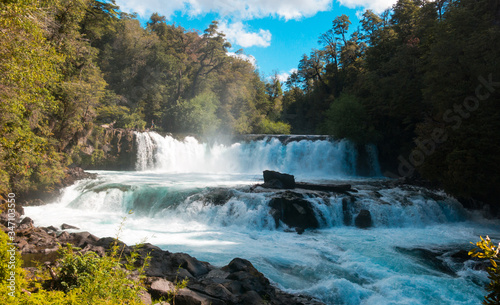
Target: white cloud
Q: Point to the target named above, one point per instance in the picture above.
(246, 9)
(236, 33)
(245, 57)
(146, 7)
(243, 9)
(284, 75)
(377, 6)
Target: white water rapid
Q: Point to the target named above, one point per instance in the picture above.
(310, 157)
(197, 198)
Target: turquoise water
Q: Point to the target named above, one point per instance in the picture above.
(408, 257)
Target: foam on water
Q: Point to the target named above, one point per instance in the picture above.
(195, 198)
(305, 158)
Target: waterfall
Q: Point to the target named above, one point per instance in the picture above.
(202, 199)
(145, 149)
(309, 157)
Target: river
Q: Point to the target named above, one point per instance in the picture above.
(187, 196)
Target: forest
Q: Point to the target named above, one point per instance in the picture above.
(420, 81)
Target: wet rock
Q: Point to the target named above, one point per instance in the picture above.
(335, 188)
(347, 210)
(65, 226)
(219, 196)
(10, 217)
(216, 274)
(363, 220)
(19, 209)
(191, 264)
(293, 210)
(38, 240)
(273, 184)
(430, 258)
(299, 231)
(286, 181)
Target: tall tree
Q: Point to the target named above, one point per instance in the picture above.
(28, 68)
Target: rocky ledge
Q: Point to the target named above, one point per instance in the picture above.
(237, 283)
(289, 204)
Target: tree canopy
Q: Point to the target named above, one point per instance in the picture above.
(421, 81)
(68, 66)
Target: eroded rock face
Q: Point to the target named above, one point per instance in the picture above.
(117, 149)
(293, 210)
(363, 220)
(278, 180)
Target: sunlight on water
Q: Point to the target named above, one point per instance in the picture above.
(408, 257)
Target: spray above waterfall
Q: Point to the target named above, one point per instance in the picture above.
(309, 157)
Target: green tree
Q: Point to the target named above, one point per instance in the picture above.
(28, 69)
(347, 118)
(462, 61)
(198, 115)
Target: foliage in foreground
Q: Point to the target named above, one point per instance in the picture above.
(78, 279)
(487, 250)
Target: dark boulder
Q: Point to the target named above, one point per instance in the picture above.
(50, 229)
(336, 188)
(190, 297)
(191, 264)
(82, 239)
(293, 210)
(286, 181)
(65, 226)
(347, 210)
(363, 220)
(160, 287)
(248, 278)
(218, 196)
(26, 223)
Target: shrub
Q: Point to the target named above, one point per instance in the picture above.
(10, 270)
(93, 279)
(487, 250)
(266, 126)
(80, 278)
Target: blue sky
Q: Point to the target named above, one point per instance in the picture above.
(274, 34)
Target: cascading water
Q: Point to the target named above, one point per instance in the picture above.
(197, 198)
(308, 157)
